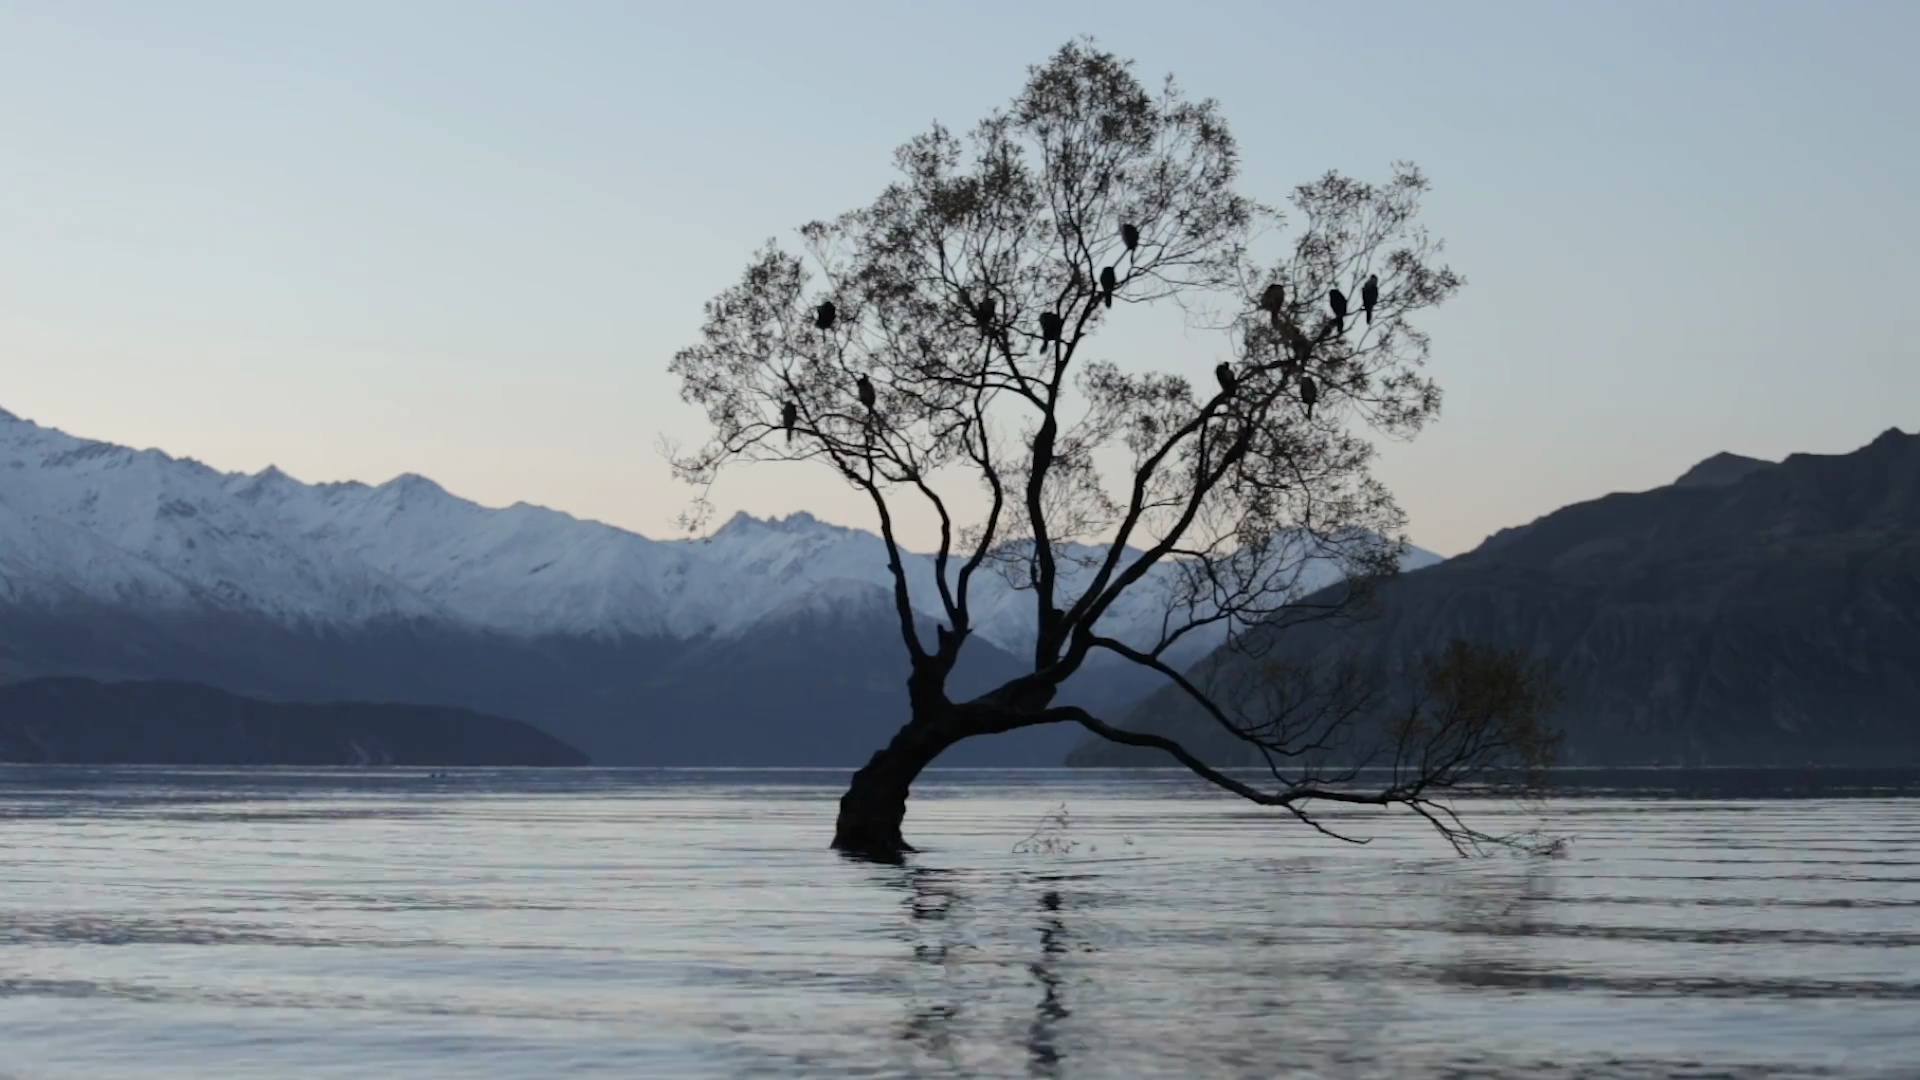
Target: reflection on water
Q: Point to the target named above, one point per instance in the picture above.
(287, 923)
(1051, 1010)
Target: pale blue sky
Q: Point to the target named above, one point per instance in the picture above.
(463, 239)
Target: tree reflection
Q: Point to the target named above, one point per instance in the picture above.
(1041, 1046)
(935, 931)
(932, 895)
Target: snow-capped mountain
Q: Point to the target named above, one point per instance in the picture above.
(81, 519)
(770, 642)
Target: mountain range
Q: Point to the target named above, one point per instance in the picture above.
(1751, 613)
(770, 642)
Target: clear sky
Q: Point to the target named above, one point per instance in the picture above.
(463, 239)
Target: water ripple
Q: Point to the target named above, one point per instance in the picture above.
(343, 923)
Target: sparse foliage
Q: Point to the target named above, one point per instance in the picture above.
(1473, 718)
(955, 373)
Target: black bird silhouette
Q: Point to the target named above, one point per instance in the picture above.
(983, 315)
(1273, 301)
(1130, 236)
(823, 316)
(1107, 284)
(1050, 325)
(1238, 449)
(788, 414)
(1370, 295)
(1339, 301)
(865, 390)
(1297, 343)
(1309, 393)
(1228, 380)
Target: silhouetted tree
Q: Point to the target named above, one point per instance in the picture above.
(1087, 189)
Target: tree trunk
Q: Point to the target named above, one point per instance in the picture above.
(876, 801)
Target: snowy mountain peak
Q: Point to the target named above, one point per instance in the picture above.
(740, 522)
(799, 522)
(268, 482)
(413, 484)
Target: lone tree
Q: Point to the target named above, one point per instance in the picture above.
(931, 348)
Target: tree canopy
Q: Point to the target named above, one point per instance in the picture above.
(936, 348)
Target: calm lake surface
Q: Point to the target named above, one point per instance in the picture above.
(614, 923)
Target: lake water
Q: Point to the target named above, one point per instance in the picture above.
(611, 923)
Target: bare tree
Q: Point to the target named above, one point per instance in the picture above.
(931, 348)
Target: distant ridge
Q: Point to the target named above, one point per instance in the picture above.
(1720, 469)
(83, 722)
(1747, 614)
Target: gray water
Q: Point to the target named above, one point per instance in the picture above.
(500, 923)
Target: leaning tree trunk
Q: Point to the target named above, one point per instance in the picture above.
(876, 801)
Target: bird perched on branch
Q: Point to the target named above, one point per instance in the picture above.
(864, 388)
(1108, 282)
(1297, 343)
(1370, 295)
(1130, 236)
(1228, 380)
(1050, 325)
(824, 315)
(1339, 301)
(983, 316)
(788, 414)
(1238, 449)
(1309, 393)
(1273, 301)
